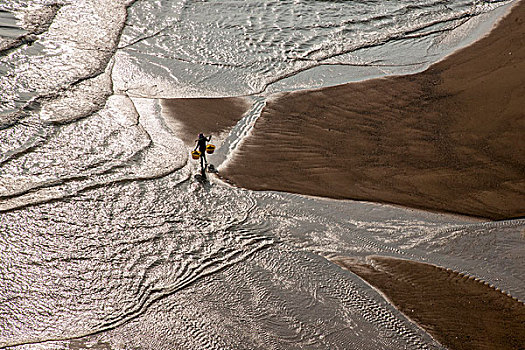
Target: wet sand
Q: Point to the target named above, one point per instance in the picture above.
(448, 139)
(190, 116)
(458, 311)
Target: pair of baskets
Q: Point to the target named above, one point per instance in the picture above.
(197, 154)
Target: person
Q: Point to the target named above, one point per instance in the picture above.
(201, 145)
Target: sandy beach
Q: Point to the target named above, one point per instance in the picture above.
(447, 139)
(212, 116)
(460, 312)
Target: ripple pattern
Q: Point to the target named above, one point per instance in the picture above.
(244, 47)
(97, 261)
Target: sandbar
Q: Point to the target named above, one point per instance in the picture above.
(457, 310)
(451, 138)
(188, 117)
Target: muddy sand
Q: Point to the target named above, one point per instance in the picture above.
(190, 116)
(451, 138)
(457, 310)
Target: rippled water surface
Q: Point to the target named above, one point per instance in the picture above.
(106, 240)
(240, 47)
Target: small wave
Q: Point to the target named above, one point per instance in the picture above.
(241, 130)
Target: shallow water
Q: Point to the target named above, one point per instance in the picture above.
(244, 47)
(106, 241)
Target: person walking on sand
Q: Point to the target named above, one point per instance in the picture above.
(201, 145)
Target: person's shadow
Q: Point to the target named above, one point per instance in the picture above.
(202, 178)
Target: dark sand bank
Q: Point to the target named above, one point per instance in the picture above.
(451, 138)
(190, 116)
(459, 312)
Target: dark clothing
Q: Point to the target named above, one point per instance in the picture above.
(204, 162)
(201, 145)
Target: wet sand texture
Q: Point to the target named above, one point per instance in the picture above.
(190, 116)
(458, 311)
(451, 138)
